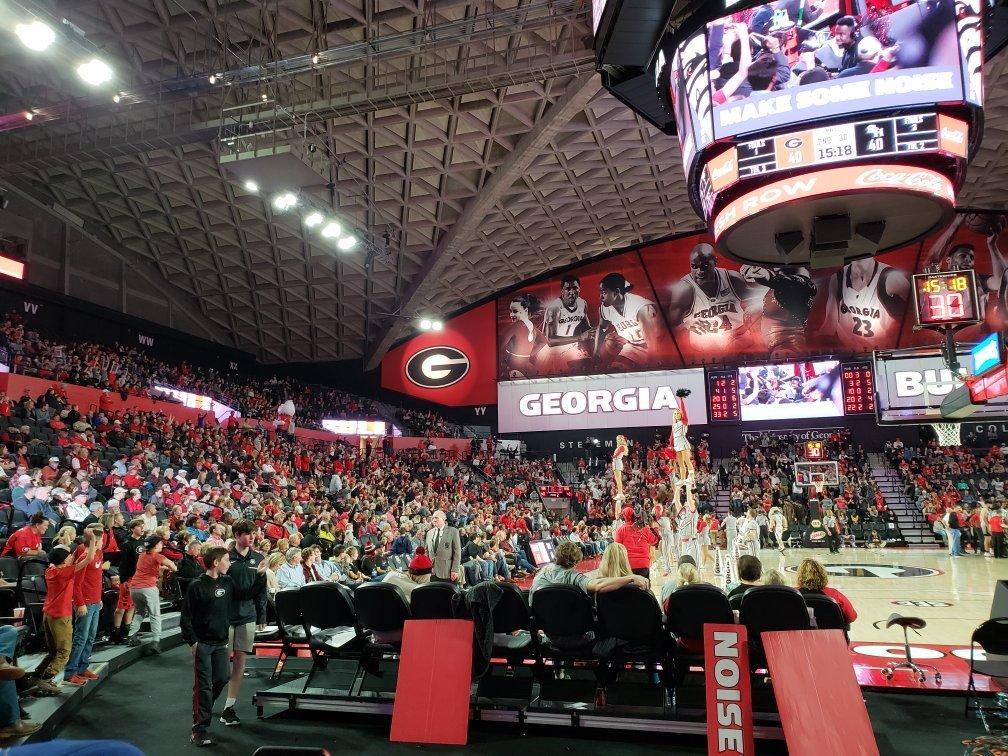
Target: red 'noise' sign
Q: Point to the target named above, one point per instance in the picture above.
(729, 697)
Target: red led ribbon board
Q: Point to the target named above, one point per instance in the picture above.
(729, 697)
(432, 691)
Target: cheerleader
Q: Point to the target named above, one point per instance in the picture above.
(523, 341)
(747, 541)
(686, 526)
(666, 544)
(681, 447)
(617, 463)
(705, 540)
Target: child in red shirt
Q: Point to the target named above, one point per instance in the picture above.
(57, 611)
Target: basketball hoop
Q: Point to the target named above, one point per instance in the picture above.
(947, 433)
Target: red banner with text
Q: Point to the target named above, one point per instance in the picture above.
(729, 696)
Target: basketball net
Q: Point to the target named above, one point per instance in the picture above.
(947, 433)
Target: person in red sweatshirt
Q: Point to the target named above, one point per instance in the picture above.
(638, 540)
(87, 602)
(57, 610)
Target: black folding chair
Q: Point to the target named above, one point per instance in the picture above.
(512, 625)
(382, 611)
(290, 627)
(687, 610)
(563, 625)
(631, 631)
(434, 601)
(767, 608)
(992, 638)
(330, 623)
(827, 612)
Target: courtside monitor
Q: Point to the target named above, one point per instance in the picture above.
(542, 552)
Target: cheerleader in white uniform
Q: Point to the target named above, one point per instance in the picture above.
(747, 541)
(686, 527)
(617, 464)
(667, 542)
(682, 448)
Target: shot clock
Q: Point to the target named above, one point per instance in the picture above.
(946, 299)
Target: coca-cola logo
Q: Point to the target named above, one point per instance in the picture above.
(919, 180)
(953, 135)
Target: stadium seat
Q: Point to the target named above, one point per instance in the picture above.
(827, 612)
(992, 637)
(382, 611)
(771, 607)
(563, 625)
(687, 610)
(330, 623)
(512, 625)
(434, 601)
(290, 625)
(631, 630)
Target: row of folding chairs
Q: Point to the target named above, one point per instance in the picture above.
(562, 625)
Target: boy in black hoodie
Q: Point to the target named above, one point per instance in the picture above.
(205, 625)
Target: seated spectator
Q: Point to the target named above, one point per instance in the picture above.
(290, 574)
(417, 573)
(812, 578)
(773, 577)
(27, 541)
(273, 563)
(615, 562)
(563, 572)
(750, 570)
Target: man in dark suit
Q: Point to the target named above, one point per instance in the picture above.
(445, 548)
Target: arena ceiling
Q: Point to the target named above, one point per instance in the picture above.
(468, 143)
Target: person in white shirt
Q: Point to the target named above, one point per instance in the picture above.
(149, 518)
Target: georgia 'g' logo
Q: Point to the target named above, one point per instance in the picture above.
(437, 367)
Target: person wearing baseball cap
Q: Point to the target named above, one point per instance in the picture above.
(144, 591)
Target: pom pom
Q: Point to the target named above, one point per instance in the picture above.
(683, 392)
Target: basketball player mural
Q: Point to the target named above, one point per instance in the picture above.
(565, 323)
(992, 290)
(522, 343)
(629, 332)
(709, 304)
(865, 302)
(790, 294)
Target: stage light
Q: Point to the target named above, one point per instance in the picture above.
(332, 229)
(347, 243)
(251, 186)
(436, 325)
(212, 78)
(116, 98)
(425, 324)
(313, 219)
(314, 59)
(29, 115)
(263, 98)
(36, 35)
(284, 201)
(94, 72)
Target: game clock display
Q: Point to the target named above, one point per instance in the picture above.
(858, 388)
(946, 299)
(722, 393)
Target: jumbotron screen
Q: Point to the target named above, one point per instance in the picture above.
(790, 391)
(794, 61)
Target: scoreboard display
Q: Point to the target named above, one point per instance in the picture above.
(851, 141)
(858, 382)
(723, 396)
(814, 451)
(946, 299)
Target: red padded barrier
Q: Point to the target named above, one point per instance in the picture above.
(821, 707)
(435, 675)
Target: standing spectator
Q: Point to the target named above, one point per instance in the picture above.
(57, 611)
(248, 609)
(996, 524)
(638, 540)
(144, 590)
(206, 626)
(955, 525)
(131, 548)
(11, 724)
(87, 609)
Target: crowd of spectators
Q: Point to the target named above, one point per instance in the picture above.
(959, 492)
(130, 371)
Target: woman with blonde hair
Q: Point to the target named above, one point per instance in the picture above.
(66, 537)
(272, 563)
(615, 562)
(687, 575)
(621, 450)
(812, 578)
